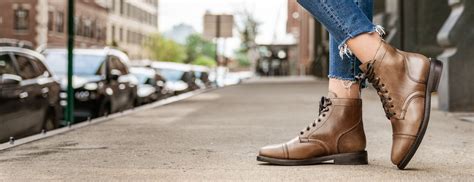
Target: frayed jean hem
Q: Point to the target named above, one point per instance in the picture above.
(344, 49)
(362, 83)
(342, 78)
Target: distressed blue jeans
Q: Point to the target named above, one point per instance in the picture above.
(344, 19)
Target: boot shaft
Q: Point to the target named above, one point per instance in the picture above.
(340, 128)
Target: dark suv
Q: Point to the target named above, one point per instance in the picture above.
(102, 82)
(29, 94)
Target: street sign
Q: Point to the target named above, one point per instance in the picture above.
(218, 26)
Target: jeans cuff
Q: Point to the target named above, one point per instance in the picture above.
(342, 78)
(344, 49)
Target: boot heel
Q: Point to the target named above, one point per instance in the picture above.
(436, 68)
(358, 158)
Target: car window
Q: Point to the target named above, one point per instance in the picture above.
(25, 67)
(6, 65)
(84, 64)
(42, 70)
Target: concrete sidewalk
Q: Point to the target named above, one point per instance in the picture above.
(215, 136)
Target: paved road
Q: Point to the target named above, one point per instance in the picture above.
(215, 136)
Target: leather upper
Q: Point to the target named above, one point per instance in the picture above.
(338, 129)
(400, 79)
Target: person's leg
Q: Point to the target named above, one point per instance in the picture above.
(404, 81)
(337, 134)
(343, 69)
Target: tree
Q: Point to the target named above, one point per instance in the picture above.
(248, 29)
(204, 61)
(197, 47)
(163, 49)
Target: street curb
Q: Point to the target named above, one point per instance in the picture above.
(40, 136)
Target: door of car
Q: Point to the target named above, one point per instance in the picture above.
(115, 84)
(34, 98)
(20, 108)
(11, 109)
(49, 87)
(124, 90)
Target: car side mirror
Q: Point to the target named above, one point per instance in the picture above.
(8, 79)
(115, 74)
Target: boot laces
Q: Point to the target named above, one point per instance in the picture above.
(323, 109)
(381, 90)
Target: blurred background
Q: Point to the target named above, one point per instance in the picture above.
(130, 53)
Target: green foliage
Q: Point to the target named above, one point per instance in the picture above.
(248, 29)
(204, 61)
(163, 49)
(243, 59)
(196, 47)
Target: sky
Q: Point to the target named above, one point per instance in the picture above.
(271, 14)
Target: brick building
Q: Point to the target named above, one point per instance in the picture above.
(122, 23)
(306, 32)
(43, 22)
(130, 23)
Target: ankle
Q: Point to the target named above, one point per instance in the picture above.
(365, 46)
(344, 88)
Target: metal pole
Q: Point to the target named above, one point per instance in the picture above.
(218, 35)
(70, 47)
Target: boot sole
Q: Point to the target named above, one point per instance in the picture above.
(434, 75)
(358, 158)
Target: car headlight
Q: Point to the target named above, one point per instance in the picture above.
(91, 86)
(63, 95)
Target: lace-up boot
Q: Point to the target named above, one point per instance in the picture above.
(337, 136)
(404, 81)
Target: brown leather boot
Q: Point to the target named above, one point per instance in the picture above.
(337, 135)
(404, 81)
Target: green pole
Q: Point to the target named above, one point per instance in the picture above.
(70, 47)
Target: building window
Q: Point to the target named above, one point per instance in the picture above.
(87, 26)
(113, 33)
(59, 21)
(113, 6)
(50, 20)
(122, 8)
(121, 34)
(93, 29)
(79, 26)
(21, 19)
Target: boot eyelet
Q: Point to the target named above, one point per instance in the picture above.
(301, 133)
(314, 124)
(324, 115)
(319, 120)
(307, 129)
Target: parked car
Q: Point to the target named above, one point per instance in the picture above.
(102, 81)
(202, 76)
(179, 77)
(151, 85)
(29, 93)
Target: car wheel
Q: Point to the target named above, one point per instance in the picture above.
(104, 110)
(49, 122)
